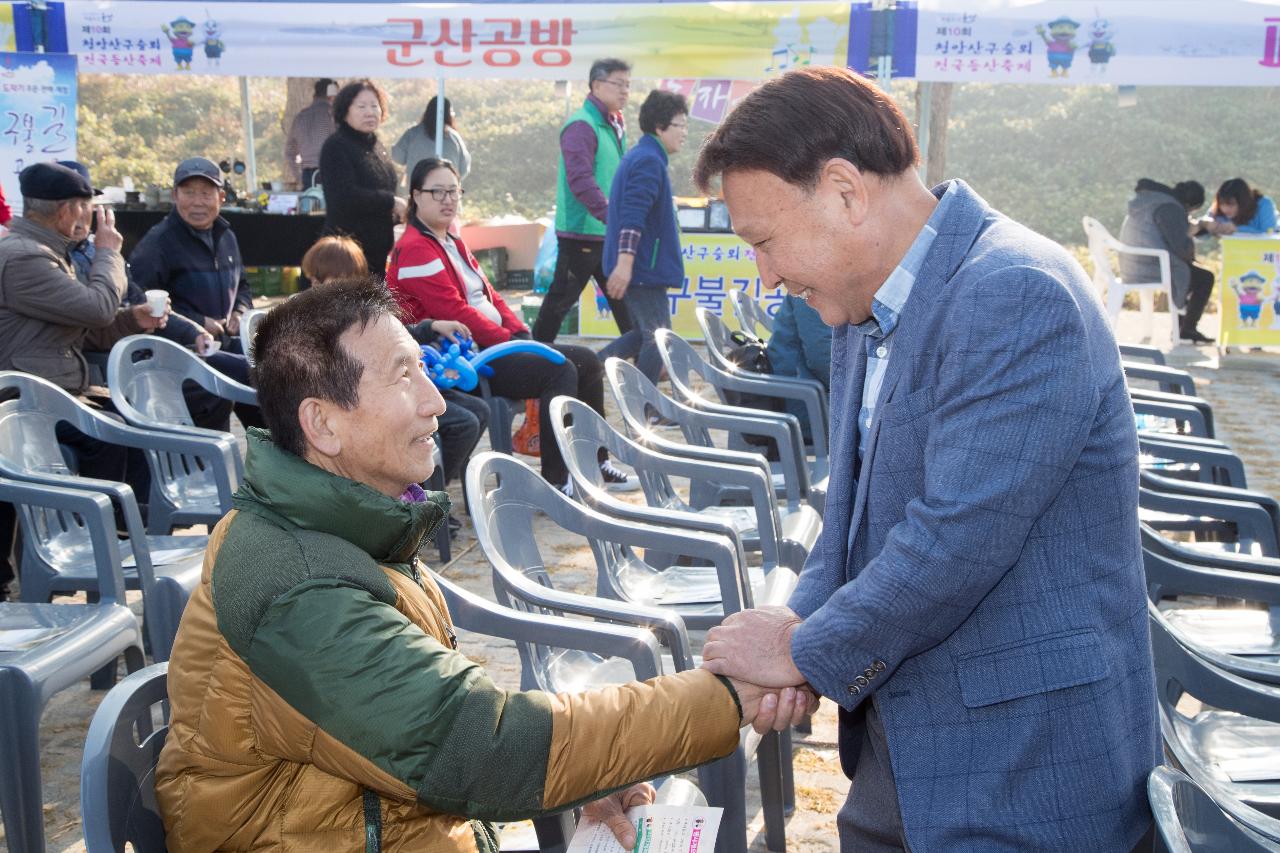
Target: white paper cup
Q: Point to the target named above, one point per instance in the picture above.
(157, 300)
(213, 347)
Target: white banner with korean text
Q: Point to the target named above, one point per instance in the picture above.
(732, 40)
(1116, 42)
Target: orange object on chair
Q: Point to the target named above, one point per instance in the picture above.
(526, 439)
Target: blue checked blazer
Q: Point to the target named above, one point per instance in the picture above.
(992, 601)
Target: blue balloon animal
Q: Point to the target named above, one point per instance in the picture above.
(459, 366)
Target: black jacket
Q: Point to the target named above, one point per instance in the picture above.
(359, 182)
(202, 282)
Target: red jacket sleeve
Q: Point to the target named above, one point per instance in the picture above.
(5, 213)
(423, 281)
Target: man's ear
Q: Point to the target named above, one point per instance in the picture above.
(315, 416)
(840, 177)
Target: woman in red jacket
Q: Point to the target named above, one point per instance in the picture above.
(434, 276)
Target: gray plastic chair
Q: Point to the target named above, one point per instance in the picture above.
(46, 648)
(145, 376)
(1241, 640)
(685, 367)
(751, 315)
(1192, 458)
(1170, 380)
(58, 556)
(504, 494)
(1138, 352)
(1229, 521)
(118, 772)
(635, 396)
(1188, 820)
(784, 535)
(1190, 413)
(1230, 744)
(719, 343)
(249, 331)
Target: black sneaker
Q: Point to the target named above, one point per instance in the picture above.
(615, 480)
(1195, 337)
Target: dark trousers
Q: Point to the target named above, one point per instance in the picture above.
(90, 458)
(523, 376)
(1197, 298)
(577, 262)
(460, 427)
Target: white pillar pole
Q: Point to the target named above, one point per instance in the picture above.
(246, 116)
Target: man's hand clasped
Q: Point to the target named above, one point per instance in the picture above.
(753, 649)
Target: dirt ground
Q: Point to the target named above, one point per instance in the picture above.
(1244, 389)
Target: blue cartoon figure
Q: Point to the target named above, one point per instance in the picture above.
(1100, 46)
(1060, 43)
(213, 44)
(179, 32)
(1248, 288)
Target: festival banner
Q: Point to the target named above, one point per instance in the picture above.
(1112, 42)
(1249, 292)
(37, 114)
(734, 40)
(714, 266)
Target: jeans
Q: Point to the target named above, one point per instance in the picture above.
(464, 420)
(650, 310)
(524, 376)
(577, 261)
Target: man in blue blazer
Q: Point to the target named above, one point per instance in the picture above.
(975, 604)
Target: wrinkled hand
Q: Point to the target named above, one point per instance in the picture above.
(146, 322)
(204, 340)
(106, 236)
(611, 811)
(214, 327)
(754, 645)
(1226, 228)
(451, 329)
(618, 282)
(764, 708)
(233, 324)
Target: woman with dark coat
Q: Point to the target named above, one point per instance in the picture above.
(359, 177)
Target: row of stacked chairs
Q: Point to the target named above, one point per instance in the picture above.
(1211, 552)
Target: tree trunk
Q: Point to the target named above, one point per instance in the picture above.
(299, 92)
(939, 107)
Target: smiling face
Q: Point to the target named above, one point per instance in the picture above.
(199, 202)
(811, 243)
(365, 113)
(385, 441)
(673, 136)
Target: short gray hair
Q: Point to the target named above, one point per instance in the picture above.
(41, 208)
(602, 68)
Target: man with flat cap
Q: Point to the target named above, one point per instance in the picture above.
(48, 316)
(193, 254)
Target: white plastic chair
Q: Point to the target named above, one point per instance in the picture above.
(1108, 282)
(248, 329)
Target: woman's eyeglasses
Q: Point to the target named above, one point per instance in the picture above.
(441, 195)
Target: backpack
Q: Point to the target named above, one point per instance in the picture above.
(750, 353)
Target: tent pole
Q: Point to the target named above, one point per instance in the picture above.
(925, 99)
(440, 117)
(246, 116)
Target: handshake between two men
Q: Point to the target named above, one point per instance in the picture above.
(752, 648)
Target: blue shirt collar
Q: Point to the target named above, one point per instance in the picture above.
(891, 297)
